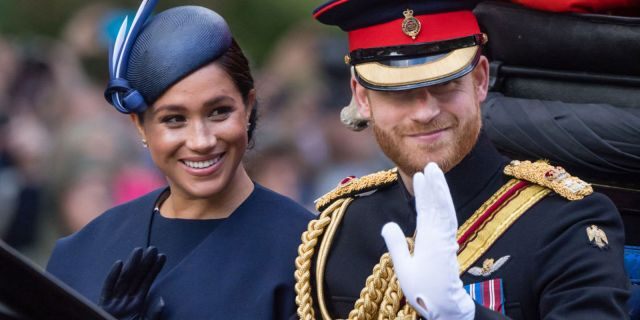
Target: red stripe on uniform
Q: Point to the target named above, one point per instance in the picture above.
(329, 7)
(474, 227)
(434, 27)
(486, 294)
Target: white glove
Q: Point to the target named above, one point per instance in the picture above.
(429, 279)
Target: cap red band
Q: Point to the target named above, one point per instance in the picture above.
(434, 27)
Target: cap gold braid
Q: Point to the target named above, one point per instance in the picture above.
(360, 185)
(546, 175)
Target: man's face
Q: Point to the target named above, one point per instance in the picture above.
(432, 124)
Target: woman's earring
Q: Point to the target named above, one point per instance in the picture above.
(144, 143)
(248, 125)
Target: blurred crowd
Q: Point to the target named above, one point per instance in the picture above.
(66, 155)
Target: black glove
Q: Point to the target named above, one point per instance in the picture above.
(124, 293)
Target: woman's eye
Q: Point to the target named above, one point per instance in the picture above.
(221, 113)
(172, 119)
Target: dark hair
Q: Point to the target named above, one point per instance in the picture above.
(234, 63)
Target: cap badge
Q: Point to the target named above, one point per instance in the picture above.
(410, 25)
(597, 237)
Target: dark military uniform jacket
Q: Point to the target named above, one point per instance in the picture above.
(553, 270)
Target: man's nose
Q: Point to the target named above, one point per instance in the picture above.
(425, 106)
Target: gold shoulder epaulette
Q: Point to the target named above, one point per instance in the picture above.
(356, 186)
(546, 175)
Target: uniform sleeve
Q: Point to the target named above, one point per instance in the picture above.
(574, 278)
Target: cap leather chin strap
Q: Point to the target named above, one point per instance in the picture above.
(417, 50)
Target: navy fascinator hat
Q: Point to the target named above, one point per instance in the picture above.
(153, 55)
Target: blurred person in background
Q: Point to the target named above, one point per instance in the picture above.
(299, 114)
(188, 88)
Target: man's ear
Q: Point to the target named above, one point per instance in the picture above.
(359, 94)
(481, 78)
(137, 122)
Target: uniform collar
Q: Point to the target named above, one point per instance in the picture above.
(474, 173)
(471, 176)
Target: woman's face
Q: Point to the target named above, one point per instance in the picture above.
(197, 132)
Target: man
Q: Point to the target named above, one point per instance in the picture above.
(532, 241)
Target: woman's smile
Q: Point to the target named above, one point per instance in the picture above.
(204, 167)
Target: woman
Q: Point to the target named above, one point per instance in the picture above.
(229, 244)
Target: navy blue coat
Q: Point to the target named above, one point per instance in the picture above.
(242, 270)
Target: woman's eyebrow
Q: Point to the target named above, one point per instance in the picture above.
(219, 99)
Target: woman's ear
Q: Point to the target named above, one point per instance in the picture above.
(481, 78)
(251, 101)
(137, 122)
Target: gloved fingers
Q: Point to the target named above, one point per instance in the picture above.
(128, 272)
(108, 287)
(154, 310)
(424, 209)
(397, 246)
(422, 305)
(440, 200)
(149, 259)
(152, 274)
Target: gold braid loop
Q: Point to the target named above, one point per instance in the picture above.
(407, 313)
(366, 307)
(303, 262)
(381, 296)
(392, 297)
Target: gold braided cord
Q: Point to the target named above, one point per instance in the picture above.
(360, 185)
(323, 251)
(407, 313)
(393, 295)
(366, 307)
(390, 304)
(302, 274)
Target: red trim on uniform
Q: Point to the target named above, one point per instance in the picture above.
(498, 295)
(485, 215)
(329, 7)
(486, 294)
(435, 27)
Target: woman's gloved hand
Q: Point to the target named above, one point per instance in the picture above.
(429, 278)
(124, 293)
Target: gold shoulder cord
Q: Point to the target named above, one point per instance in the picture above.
(382, 287)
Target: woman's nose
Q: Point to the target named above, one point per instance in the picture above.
(201, 138)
